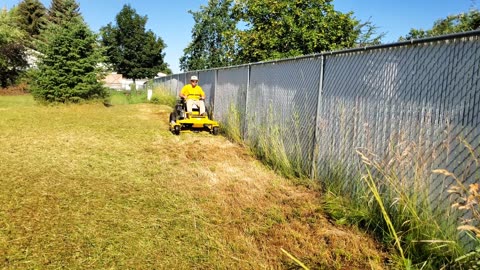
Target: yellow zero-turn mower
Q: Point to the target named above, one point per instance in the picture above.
(180, 121)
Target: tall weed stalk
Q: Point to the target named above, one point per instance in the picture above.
(391, 199)
(466, 200)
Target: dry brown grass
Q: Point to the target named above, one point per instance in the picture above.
(89, 187)
(21, 89)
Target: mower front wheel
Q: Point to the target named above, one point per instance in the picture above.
(215, 131)
(176, 130)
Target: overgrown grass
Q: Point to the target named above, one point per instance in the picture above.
(395, 205)
(163, 96)
(95, 187)
(232, 125)
(128, 97)
(267, 140)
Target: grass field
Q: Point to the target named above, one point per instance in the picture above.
(91, 187)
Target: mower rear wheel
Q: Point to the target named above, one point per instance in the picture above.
(173, 117)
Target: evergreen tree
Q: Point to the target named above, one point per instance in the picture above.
(213, 37)
(12, 51)
(63, 11)
(68, 64)
(31, 17)
(132, 51)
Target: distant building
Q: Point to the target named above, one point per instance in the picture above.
(116, 81)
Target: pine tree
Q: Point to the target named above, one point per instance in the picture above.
(31, 16)
(63, 11)
(68, 66)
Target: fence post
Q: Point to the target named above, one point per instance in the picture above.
(214, 94)
(317, 116)
(245, 124)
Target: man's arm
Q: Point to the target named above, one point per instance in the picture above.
(183, 93)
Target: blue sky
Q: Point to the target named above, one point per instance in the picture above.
(171, 21)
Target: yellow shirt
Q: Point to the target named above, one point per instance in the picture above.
(192, 92)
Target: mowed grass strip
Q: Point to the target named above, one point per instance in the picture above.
(91, 187)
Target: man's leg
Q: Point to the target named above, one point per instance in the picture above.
(189, 106)
(201, 105)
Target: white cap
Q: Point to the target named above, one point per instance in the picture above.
(194, 78)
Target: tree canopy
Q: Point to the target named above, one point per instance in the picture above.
(228, 32)
(289, 28)
(213, 37)
(63, 11)
(451, 24)
(31, 16)
(12, 49)
(131, 50)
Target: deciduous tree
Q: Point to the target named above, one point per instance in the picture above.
(213, 37)
(451, 24)
(12, 50)
(131, 50)
(286, 28)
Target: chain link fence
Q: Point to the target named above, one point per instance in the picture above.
(412, 107)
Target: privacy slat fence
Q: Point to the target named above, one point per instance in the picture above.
(413, 106)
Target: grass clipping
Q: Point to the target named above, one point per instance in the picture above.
(92, 187)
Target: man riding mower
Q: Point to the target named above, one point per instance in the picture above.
(190, 113)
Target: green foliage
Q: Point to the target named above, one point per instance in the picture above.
(292, 27)
(68, 65)
(62, 11)
(132, 51)
(127, 97)
(31, 17)
(228, 32)
(213, 43)
(368, 35)
(451, 24)
(163, 97)
(12, 50)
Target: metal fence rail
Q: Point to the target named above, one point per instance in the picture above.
(413, 106)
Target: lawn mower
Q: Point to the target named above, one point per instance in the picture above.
(181, 121)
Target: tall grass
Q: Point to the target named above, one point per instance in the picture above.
(467, 203)
(163, 96)
(232, 125)
(128, 97)
(393, 202)
(267, 140)
(160, 96)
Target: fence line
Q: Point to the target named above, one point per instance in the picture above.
(419, 99)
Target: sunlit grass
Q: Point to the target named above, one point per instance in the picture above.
(95, 187)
